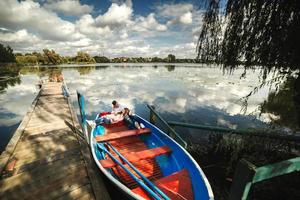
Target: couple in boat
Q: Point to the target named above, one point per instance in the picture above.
(118, 113)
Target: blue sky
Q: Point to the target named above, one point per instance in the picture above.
(105, 27)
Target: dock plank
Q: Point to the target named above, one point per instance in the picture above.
(48, 159)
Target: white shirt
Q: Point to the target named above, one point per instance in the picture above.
(117, 109)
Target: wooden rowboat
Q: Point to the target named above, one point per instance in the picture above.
(145, 163)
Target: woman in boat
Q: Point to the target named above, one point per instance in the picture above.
(126, 114)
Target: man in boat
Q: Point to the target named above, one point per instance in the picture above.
(116, 107)
(115, 116)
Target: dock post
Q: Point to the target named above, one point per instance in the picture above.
(242, 180)
(152, 116)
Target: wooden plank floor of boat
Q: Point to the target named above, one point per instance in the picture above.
(45, 159)
(147, 167)
(177, 186)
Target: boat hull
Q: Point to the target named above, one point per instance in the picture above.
(177, 160)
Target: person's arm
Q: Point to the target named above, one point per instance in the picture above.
(113, 110)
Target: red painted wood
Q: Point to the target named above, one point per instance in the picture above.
(128, 141)
(122, 134)
(120, 123)
(148, 168)
(177, 186)
(136, 156)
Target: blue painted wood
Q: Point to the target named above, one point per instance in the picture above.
(83, 124)
(174, 134)
(178, 160)
(169, 164)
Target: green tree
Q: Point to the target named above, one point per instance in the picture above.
(101, 59)
(6, 54)
(51, 57)
(255, 32)
(171, 58)
(84, 57)
(264, 33)
(40, 57)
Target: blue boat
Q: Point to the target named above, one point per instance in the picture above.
(144, 163)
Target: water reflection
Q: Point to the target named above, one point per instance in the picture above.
(9, 76)
(280, 106)
(195, 94)
(16, 94)
(199, 95)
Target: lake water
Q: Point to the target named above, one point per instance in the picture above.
(187, 93)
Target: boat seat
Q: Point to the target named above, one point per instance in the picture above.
(176, 186)
(136, 156)
(121, 134)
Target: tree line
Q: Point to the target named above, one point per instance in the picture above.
(50, 57)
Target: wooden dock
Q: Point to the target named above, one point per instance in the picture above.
(46, 158)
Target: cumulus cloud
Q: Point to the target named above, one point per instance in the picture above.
(186, 18)
(148, 23)
(18, 36)
(32, 25)
(87, 25)
(68, 7)
(115, 16)
(177, 13)
(31, 16)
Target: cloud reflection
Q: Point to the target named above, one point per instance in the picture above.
(195, 94)
(179, 92)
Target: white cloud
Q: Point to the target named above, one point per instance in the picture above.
(18, 36)
(68, 7)
(177, 13)
(116, 15)
(87, 25)
(32, 26)
(186, 18)
(173, 10)
(148, 23)
(31, 16)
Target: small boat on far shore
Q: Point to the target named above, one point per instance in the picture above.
(145, 163)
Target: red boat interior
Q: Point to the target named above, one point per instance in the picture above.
(127, 142)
